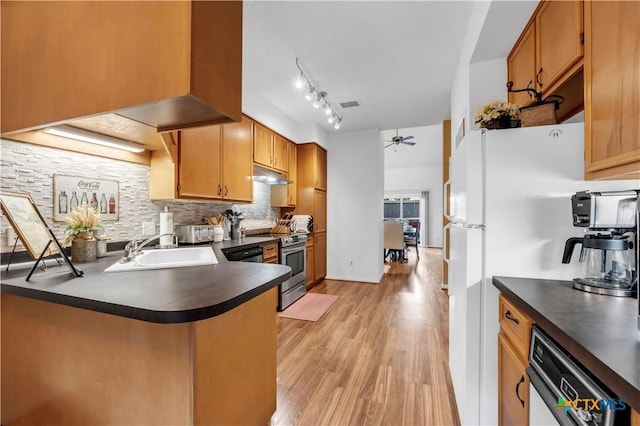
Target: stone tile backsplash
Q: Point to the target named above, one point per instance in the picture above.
(30, 168)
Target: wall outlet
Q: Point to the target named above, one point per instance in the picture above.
(148, 228)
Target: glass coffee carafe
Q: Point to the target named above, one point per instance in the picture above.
(606, 263)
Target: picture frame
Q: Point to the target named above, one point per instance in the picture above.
(69, 192)
(23, 215)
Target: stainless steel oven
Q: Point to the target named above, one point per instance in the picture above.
(293, 253)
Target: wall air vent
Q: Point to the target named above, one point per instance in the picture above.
(350, 104)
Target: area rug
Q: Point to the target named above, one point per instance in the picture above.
(309, 307)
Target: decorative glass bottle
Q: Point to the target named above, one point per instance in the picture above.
(73, 204)
(63, 204)
(103, 204)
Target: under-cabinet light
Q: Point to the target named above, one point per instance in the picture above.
(70, 132)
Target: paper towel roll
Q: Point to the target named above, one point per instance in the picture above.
(166, 227)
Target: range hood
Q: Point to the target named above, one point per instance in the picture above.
(157, 67)
(269, 177)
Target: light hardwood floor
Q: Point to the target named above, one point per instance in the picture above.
(378, 356)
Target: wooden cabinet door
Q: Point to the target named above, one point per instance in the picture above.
(320, 211)
(310, 266)
(321, 168)
(559, 29)
(522, 67)
(612, 95)
(262, 145)
(320, 249)
(237, 166)
(280, 153)
(513, 386)
(199, 168)
(293, 174)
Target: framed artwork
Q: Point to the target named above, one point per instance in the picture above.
(70, 192)
(29, 225)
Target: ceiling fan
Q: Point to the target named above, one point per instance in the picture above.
(397, 140)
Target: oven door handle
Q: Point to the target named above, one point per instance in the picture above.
(290, 250)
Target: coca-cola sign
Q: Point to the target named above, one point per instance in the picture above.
(89, 184)
(71, 192)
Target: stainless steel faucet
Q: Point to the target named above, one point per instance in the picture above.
(134, 247)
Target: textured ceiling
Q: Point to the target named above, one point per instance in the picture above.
(397, 58)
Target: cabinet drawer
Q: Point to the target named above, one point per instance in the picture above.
(515, 325)
(270, 251)
(273, 261)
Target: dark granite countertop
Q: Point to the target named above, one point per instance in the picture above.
(599, 331)
(162, 295)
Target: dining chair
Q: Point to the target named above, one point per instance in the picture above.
(393, 240)
(413, 239)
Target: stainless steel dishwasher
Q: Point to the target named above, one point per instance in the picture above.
(563, 392)
(251, 254)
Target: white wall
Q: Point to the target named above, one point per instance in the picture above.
(460, 92)
(355, 197)
(260, 109)
(416, 180)
(487, 83)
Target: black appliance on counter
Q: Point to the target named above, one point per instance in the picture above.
(609, 255)
(562, 390)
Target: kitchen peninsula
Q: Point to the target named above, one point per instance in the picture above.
(185, 346)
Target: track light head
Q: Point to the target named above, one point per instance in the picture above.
(310, 94)
(338, 123)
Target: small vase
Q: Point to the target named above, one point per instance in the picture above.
(84, 250)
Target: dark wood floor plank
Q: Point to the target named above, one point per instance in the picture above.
(379, 356)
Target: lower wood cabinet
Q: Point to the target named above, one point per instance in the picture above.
(320, 260)
(310, 263)
(513, 352)
(513, 385)
(270, 253)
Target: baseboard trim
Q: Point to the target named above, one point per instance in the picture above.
(354, 279)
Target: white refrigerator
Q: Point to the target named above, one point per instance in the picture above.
(510, 213)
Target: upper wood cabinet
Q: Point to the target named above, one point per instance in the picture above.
(170, 64)
(213, 163)
(312, 166)
(549, 51)
(559, 40)
(262, 145)
(612, 95)
(270, 149)
(285, 195)
(522, 66)
(237, 167)
(199, 163)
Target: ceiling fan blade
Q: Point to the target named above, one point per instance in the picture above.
(407, 137)
(389, 145)
(408, 143)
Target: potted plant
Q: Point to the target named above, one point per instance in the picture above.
(498, 115)
(80, 233)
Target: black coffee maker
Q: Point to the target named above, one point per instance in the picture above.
(608, 257)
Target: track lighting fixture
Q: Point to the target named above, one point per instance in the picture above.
(318, 97)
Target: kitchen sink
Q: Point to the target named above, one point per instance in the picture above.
(167, 258)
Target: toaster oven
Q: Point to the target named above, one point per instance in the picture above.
(194, 234)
